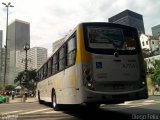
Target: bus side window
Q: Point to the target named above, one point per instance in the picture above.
(45, 71)
(49, 67)
(41, 74)
(71, 51)
(38, 76)
(55, 64)
(62, 58)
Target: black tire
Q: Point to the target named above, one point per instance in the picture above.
(54, 102)
(39, 99)
(92, 105)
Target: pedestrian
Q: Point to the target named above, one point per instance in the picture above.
(7, 97)
(157, 87)
(13, 94)
(7, 93)
(25, 93)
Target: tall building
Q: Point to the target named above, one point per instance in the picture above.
(3, 66)
(18, 36)
(1, 37)
(156, 30)
(57, 44)
(129, 18)
(36, 57)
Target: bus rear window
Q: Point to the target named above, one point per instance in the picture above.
(110, 38)
(104, 35)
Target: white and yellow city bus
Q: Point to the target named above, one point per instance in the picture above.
(98, 63)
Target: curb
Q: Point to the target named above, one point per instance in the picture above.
(20, 100)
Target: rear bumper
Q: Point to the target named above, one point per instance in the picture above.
(114, 97)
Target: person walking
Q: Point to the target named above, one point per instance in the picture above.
(157, 87)
(7, 97)
(13, 94)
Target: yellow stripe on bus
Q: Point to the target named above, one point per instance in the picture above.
(82, 54)
(56, 84)
(74, 80)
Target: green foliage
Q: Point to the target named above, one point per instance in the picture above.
(155, 72)
(31, 86)
(19, 77)
(31, 77)
(9, 87)
(1, 88)
(145, 65)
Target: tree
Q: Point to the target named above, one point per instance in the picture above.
(155, 72)
(9, 87)
(1, 88)
(31, 77)
(32, 83)
(19, 77)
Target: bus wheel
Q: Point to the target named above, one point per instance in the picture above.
(39, 99)
(54, 102)
(92, 105)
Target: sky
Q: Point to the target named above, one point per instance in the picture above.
(51, 20)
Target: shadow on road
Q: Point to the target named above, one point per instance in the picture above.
(83, 113)
(97, 114)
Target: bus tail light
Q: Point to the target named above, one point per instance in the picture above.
(143, 69)
(143, 77)
(88, 77)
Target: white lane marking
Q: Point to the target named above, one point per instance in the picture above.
(52, 112)
(132, 106)
(129, 104)
(126, 103)
(13, 112)
(34, 111)
(132, 102)
(149, 101)
(142, 104)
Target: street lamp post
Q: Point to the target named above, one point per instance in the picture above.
(25, 77)
(26, 48)
(5, 68)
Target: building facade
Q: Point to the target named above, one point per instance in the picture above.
(149, 43)
(18, 36)
(151, 61)
(57, 44)
(129, 18)
(3, 66)
(36, 56)
(1, 38)
(156, 30)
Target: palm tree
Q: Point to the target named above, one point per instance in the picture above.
(19, 77)
(31, 77)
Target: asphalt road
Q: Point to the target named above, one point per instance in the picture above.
(148, 109)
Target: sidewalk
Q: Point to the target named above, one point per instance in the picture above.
(154, 94)
(20, 100)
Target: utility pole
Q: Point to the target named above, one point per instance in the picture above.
(6, 47)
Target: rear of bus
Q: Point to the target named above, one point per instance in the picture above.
(112, 64)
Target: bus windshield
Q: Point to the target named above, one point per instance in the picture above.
(110, 38)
